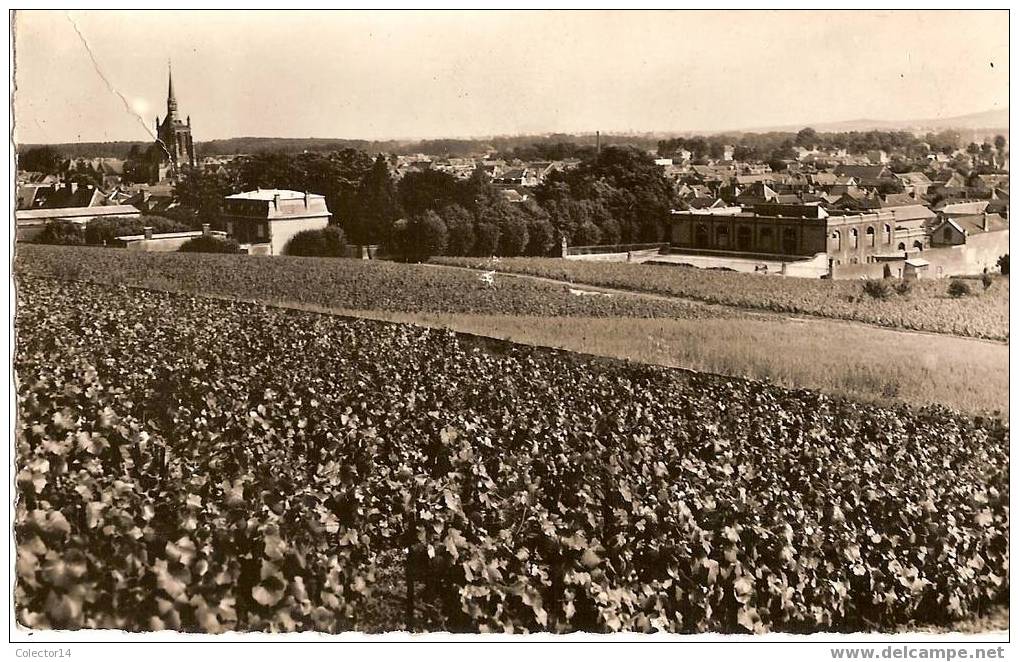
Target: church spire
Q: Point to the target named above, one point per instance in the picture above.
(171, 100)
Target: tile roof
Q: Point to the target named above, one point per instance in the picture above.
(73, 212)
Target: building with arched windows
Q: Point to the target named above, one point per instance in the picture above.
(863, 241)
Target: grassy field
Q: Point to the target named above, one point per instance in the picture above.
(878, 366)
(873, 365)
(927, 307)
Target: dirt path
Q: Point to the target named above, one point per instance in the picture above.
(800, 318)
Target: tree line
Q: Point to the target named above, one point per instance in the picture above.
(616, 196)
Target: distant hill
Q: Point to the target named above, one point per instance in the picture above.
(442, 146)
(991, 120)
(972, 127)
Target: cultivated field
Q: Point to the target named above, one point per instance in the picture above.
(927, 307)
(337, 283)
(207, 465)
(873, 365)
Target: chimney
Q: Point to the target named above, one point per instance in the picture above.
(276, 201)
(206, 229)
(597, 142)
(148, 232)
(984, 225)
(306, 199)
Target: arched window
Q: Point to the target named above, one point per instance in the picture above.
(744, 238)
(902, 246)
(854, 238)
(888, 234)
(789, 244)
(870, 236)
(700, 236)
(836, 240)
(918, 245)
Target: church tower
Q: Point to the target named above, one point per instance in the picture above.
(174, 144)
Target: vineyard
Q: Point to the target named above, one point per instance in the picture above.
(202, 465)
(339, 284)
(927, 307)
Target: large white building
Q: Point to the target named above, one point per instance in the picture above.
(265, 220)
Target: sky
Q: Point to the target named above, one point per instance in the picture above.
(410, 74)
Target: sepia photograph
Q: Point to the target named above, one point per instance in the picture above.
(508, 326)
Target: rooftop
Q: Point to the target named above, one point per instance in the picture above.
(270, 194)
(71, 212)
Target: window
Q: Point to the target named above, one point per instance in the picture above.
(744, 238)
(722, 236)
(902, 246)
(854, 238)
(836, 240)
(918, 245)
(888, 234)
(870, 236)
(700, 236)
(789, 241)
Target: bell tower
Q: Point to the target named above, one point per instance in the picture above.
(174, 143)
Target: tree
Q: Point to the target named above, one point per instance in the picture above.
(620, 183)
(486, 242)
(1003, 264)
(43, 159)
(202, 192)
(336, 175)
(428, 190)
(102, 231)
(61, 232)
(540, 237)
(459, 230)
(807, 138)
(587, 234)
(512, 229)
(958, 288)
(326, 242)
(376, 206)
(421, 237)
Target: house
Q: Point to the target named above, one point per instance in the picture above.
(29, 223)
(990, 182)
(869, 176)
(265, 220)
(916, 183)
(969, 244)
(513, 195)
(70, 194)
(956, 231)
(878, 156)
(898, 200)
(706, 202)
